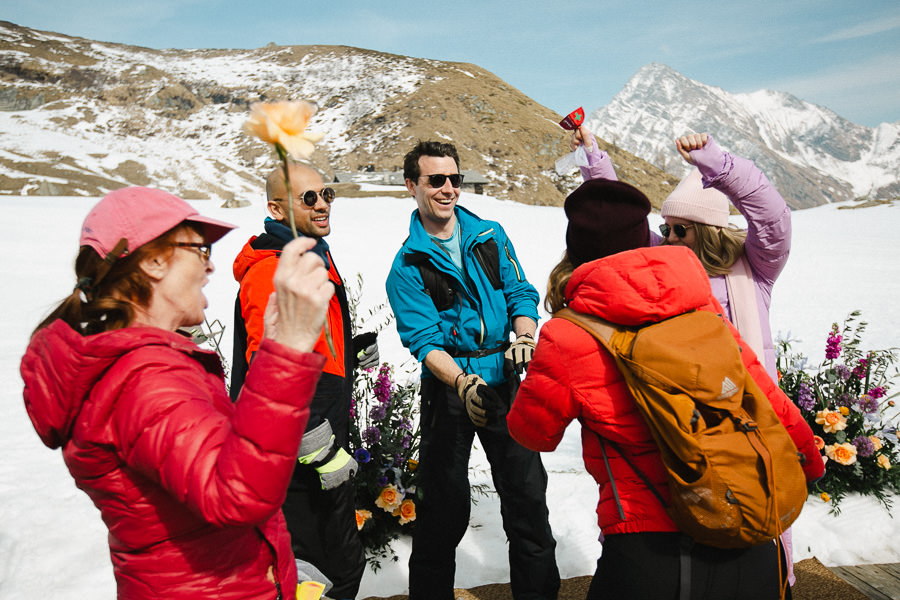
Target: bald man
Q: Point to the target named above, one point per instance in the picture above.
(319, 507)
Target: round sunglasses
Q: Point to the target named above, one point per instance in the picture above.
(310, 197)
(679, 229)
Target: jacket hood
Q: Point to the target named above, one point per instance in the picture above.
(640, 286)
(251, 254)
(60, 367)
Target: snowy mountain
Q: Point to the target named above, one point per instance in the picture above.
(813, 155)
(79, 117)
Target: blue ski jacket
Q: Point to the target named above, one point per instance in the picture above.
(474, 321)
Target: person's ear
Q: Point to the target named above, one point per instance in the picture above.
(155, 267)
(411, 186)
(276, 210)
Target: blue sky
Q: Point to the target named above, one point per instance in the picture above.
(564, 54)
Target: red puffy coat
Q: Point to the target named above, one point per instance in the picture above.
(570, 377)
(189, 484)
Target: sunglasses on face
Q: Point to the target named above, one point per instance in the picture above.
(310, 198)
(680, 230)
(437, 180)
(202, 248)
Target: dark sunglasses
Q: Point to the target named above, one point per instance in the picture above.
(680, 230)
(310, 197)
(203, 248)
(437, 180)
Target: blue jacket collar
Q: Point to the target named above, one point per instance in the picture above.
(284, 233)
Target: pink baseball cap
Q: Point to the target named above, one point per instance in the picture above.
(141, 214)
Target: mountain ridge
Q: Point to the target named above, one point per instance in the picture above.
(78, 117)
(813, 155)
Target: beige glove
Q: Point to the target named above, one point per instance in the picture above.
(519, 353)
(478, 397)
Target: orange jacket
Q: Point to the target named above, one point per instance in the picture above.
(254, 269)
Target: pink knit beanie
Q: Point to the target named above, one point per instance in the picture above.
(689, 200)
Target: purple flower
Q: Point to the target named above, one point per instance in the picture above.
(843, 371)
(846, 399)
(384, 387)
(833, 346)
(406, 442)
(362, 456)
(868, 404)
(862, 368)
(352, 408)
(864, 446)
(877, 392)
(378, 412)
(382, 481)
(372, 435)
(405, 424)
(805, 399)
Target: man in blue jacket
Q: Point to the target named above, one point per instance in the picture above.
(458, 291)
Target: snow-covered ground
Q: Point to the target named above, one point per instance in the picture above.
(53, 543)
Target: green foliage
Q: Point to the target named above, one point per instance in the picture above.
(845, 400)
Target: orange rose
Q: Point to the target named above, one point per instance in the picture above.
(361, 517)
(876, 442)
(406, 511)
(884, 462)
(844, 454)
(831, 420)
(284, 124)
(389, 499)
(820, 443)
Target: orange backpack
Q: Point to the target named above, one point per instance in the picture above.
(735, 478)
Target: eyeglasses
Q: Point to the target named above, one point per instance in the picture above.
(202, 248)
(679, 229)
(310, 198)
(437, 180)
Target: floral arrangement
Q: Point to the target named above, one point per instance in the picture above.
(384, 439)
(854, 420)
(384, 436)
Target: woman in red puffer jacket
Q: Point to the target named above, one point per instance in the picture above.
(609, 272)
(189, 484)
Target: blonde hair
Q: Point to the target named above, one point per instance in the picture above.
(718, 248)
(556, 284)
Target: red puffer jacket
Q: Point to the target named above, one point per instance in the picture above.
(189, 484)
(570, 377)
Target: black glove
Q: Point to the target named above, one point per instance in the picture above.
(365, 350)
(481, 401)
(519, 353)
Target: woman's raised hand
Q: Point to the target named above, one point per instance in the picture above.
(693, 141)
(296, 311)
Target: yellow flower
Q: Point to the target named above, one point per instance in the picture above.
(406, 511)
(825, 497)
(413, 465)
(831, 421)
(389, 499)
(844, 410)
(284, 124)
(361, 517)
(876, 441)
(844, 454)
(884, 462)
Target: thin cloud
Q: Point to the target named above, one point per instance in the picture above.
(862, 30)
